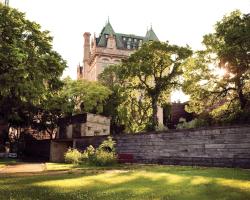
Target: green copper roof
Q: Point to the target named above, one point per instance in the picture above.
(108, 29)
(151, 36)
(124, 41)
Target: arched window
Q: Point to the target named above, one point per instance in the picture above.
(105, 59)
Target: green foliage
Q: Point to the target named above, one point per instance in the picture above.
(89, 154)
(155, 69)
(161, 127)
(226, 95)
(104, 155)
(73, 156)
(104, 158)
(195, 123)
(108, 145)
(83, 96)
(144, 81)
(75, 96)
(129, 109)
(29, 67)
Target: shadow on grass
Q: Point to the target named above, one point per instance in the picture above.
(150, 182)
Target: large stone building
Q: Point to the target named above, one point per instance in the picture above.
(109, 48)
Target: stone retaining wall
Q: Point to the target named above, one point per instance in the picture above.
(220, 147)
(223, 147)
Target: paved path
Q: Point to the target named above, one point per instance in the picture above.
(23, 168)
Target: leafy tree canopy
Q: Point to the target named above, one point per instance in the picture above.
(155, 69)
(29, 67)
(227, 49)
(76, 96)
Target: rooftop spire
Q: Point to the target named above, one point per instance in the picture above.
(6, 2)
(150, 35)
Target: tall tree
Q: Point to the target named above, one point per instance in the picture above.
(227, 49)
(155, 69)
(129, 109)
(76, 96)
(29, 67)
(231, 44)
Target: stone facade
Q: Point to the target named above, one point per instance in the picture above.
(107, 49)
(83, 125)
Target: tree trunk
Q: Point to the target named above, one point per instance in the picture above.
(154, 119)
(242, 99)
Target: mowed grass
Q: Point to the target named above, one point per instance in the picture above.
(6, 161)
(66, 182)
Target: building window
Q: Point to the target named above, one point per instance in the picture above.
(89, 128)
(128, 46)
(124, 39)
(129, 39)
(96, 132)
(106, 36)
(105, 59)
(135, 40)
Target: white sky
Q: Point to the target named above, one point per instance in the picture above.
(178, 21)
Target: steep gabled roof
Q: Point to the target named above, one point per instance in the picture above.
(107, 30)
(150, 35)
(124, 41)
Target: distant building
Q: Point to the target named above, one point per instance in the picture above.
(108, 48)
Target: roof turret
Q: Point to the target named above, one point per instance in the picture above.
(150, 35)
(107, 30)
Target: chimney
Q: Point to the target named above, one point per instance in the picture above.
(86, 46)
(86, 53)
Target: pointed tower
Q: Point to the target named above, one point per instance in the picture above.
(104, 35)
(150, 35)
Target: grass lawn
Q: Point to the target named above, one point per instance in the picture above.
(67, 182)
(6, 161)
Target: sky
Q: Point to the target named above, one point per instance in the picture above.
(180, 22)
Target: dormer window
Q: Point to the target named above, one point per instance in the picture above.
(106, 36)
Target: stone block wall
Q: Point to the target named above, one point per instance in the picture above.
(82, 125)
(222, 147)
(58, 149)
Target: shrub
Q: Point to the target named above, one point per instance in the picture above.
(104, 155)
(73, 156)
(104, 158)
(89, 154)
(108, 145)
(195, 123)
(161, 127)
